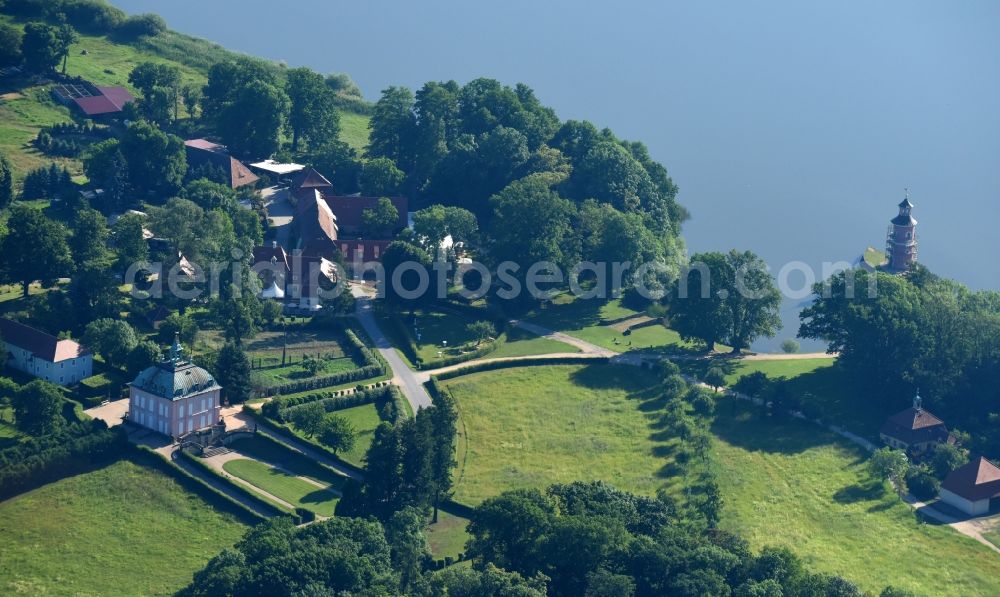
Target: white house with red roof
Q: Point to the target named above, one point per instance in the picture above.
(62, 362)
(973, 488)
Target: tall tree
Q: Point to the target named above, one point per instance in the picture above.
(160, 86)
(6, 182)
(379, 221)
(37, 407)
(90, 235)
(156, 160)
(10, 45)
(381, 178)
(313, 113)
(34, 248)
(42, 47)
(233, 373)
(432, 224)
(105, 166)
(67, 36)
(410, 260)
(129, 242)
(392, 127)
(251, 125)
(444, 417)
(112, 338)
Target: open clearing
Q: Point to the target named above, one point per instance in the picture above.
(535, 426)
(788, 482)
(115, 530)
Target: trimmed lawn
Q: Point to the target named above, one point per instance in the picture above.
(791, 483)
(277, 455)
(448, 536)
(535, 426)
(520, 343)
(365, 419)
(119, 530)
(283, 485)
(354, 129)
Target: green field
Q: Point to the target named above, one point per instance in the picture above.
(281, 484)
(534, 426)
(278, 455)
(788, 482)
(119, 530)
(275, 376)
(354, 130)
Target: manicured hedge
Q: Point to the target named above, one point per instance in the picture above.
(282, 430)
(530, 362)
(34, 462)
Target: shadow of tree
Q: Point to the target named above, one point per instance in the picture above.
(317, 497)
(745, 427)
(860, 492)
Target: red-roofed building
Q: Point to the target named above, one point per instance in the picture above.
(350, 211)
(94, 101)
(973, 488)
(915, 430)
(201, 152)
(42, 355)
(310, 180)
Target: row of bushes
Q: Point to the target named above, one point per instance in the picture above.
(76, 448)
(530, 362)
(283, 430)
(91, 16)
(335, 379)
(332, 400)
(259, 503)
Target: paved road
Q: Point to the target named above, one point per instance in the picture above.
(408, 381)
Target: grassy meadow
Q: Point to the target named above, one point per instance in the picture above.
(117, 530)
(603, 323)
(535, 426)
(787, 482)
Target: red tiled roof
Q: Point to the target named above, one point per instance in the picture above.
(109, 100)
(311, 179)
(915, 425)
(201, 151)
(314, 219)
(363, 250)
(977, 480)
(38, 343)
(350, 210)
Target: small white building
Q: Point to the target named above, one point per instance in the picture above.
(174, 397)
(62, 362)
(973, 488)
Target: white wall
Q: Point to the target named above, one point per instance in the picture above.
(63, 373)
(969, 507)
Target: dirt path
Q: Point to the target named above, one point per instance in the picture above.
(583, 345)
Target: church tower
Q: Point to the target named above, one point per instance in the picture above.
(901, 240)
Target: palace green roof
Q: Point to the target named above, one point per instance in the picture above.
(175, 380)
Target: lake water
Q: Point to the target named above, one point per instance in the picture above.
(790, 127)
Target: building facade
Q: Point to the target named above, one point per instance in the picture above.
(914, 430)
(174, 397)
(41, 355)
(901, 238)
(973, 488)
